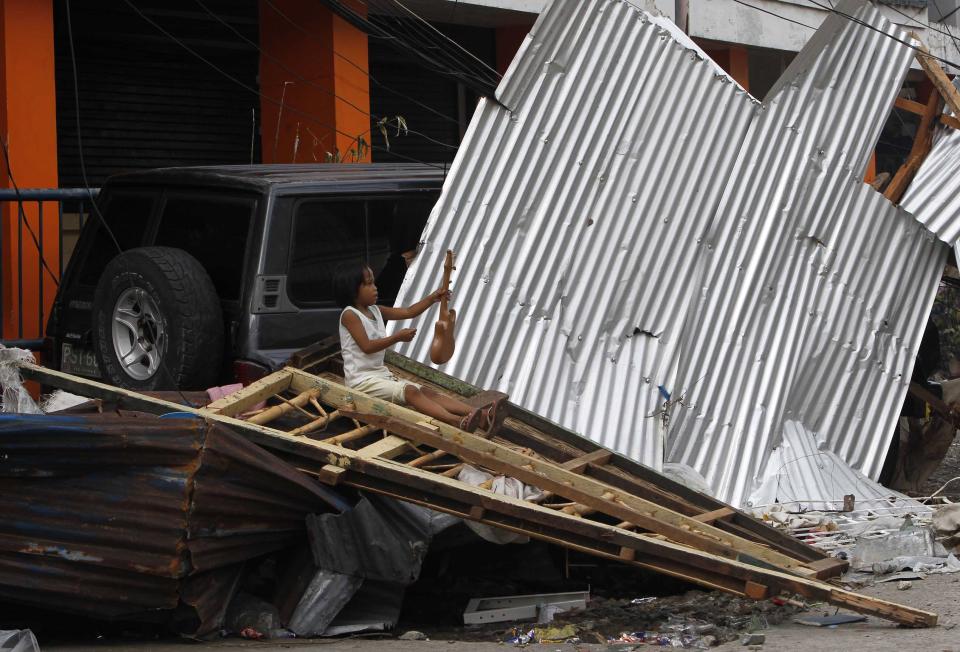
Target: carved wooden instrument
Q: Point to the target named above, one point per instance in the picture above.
(441, 350)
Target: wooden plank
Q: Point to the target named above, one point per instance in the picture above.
(918, 109)
(557, 443)
(600, 456)
(244, 400)
(572, 486)
(939, 78)
(444, 494)
(387, 448)
(715, 515)
(331, 475)
(922, 142)
(829, 567)
(756, 591)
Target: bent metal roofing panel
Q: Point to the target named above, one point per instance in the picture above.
(633, 227)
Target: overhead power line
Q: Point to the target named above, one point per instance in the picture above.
(316, 119)
(325, 43)
(324, 89)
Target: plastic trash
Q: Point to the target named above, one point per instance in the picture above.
(18, 640)
(908, 542)
(16, 398)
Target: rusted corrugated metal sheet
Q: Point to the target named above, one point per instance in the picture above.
(105, 515)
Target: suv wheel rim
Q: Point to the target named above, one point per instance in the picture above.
(138, 336)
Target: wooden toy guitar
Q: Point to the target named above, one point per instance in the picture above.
(441, 350)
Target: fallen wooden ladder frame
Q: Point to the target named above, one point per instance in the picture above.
(683, 546)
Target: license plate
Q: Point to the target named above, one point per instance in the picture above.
(78, 360)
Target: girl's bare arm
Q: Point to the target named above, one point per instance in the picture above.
(368, 346)
(409, 312)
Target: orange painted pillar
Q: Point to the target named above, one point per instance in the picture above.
(314, 78)
(28, 123)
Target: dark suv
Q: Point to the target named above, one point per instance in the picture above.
(225, 271)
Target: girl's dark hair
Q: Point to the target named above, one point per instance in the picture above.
(347, 279)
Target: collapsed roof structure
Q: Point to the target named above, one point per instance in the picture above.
(655, 258)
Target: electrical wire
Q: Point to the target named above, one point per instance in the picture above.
(953, 38)
(276, 61)
(767, 11)
(858, 21)
(419, 44)
(417, 17)
(269, 99)
(326, 44)
(23, 217)
(919, 23)
(853, 19)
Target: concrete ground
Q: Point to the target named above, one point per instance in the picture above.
(938, 593)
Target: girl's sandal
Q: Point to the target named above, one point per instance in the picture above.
(490, 413)
(470, 422)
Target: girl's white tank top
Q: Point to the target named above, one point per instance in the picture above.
(357, 365)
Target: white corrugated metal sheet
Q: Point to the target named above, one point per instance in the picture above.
(932, 196)
(621, 231)
(578, 213)
(816, 289)
(804, 475)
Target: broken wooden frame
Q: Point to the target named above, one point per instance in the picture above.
(732, 564)
(930, 113)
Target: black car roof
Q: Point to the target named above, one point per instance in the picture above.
(341, 177)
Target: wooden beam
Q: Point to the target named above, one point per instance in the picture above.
(922, 142)
(387, 448)
(939, 77)
(600, 456)
(715, 515)
(244, 400)
(918, 109)
(592, 494)
(330, 474)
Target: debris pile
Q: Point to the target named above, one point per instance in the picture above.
(768, 367)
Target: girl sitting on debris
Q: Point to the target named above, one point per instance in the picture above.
(364, 340)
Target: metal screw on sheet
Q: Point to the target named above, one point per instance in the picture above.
(633, 198)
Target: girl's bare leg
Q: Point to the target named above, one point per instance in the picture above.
(420, 402)
(448, 403)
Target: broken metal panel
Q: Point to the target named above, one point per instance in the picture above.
(802, 477)
(578, 213)
(379, 539)
(106, 515)
(932, 197)
(816, 289)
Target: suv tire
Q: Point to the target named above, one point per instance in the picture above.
(157, 322)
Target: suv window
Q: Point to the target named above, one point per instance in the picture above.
(327, 234)
(214, 230)
(126, 214)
